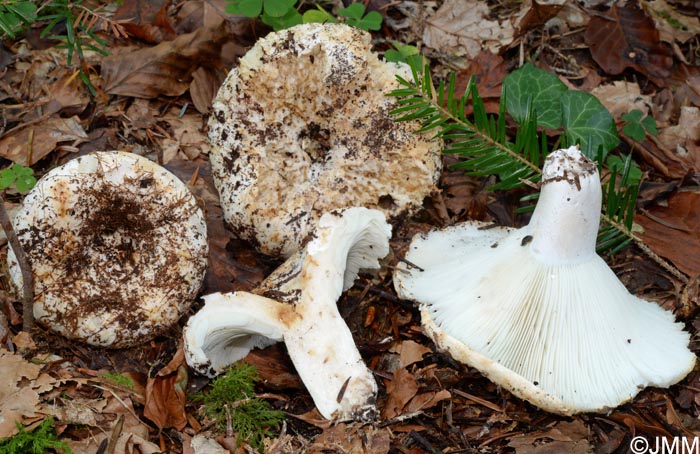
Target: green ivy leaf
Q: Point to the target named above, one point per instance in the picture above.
(278, 8)
(248, 8)
(587, 122)
(544, 88)
(319, 15)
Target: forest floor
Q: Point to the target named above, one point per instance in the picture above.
(152, 96)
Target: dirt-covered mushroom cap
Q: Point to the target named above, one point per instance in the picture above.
(302, 127)
(536, 310)
(118, 248)
(297, 304)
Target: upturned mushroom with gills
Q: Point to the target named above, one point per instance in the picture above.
(297, 304)
(536, 310)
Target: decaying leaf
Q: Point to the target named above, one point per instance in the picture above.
(625, 37)
(205, 84)
(535, 13)
(401, 389)
(20, 385)
(165, 394)
(673, 232)
(146, 20)
(28, 145)
(187, 139)
(165, 69)
(409, 352)
(461, 28)
(672, 25)
(569, 437)
(621, 97)
(352, 438)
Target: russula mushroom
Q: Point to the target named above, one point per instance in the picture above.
(536, 310)
(118, 248)
(302, 127)
(297, 304)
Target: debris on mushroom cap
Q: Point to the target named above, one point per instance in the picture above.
(536, 310)
(301, 127)
(118, 248)
(298, 304)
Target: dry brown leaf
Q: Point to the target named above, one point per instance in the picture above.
(625, 37)
(401, 389)
(488, 70)
(685, 28)
(274, 367)
(28, 145)
(165, 394)
(165, 69)
(205, 84)
(427, 400)
(147, 20)
(20, 385)
(409, 352)
(351, 439)
(568, 437)
(621, 97)
(203, 444)
(460, 28)
(673, 232)
(534, 13)
(187, 139)
(684, 138)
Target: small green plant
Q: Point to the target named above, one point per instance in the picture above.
(536, 100)
(637, 126)
(18, 175)
(41, 440)
(14, 15)
(404, 53)
(281, 14)
(119, 379)
(232, 398)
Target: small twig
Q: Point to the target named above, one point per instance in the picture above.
(25, 268)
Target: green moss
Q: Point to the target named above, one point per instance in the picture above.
(119, 379)
(41, 440)
(251, 418)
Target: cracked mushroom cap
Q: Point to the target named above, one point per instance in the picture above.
(118, 248)
(297, 303)
(536, 310)
(302, 127)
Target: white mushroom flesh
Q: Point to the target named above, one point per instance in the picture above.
(118, 248)
(298, 303)
(301, 127)
(537, 310)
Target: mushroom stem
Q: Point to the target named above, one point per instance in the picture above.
(298, 303)
(24, 266)
(564, 226)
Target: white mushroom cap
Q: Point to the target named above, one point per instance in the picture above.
(298, 304)
(536, 310)
(301, 127)
(118, 248)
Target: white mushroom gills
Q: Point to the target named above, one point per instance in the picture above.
(297, 303)
(118, 248)
(537, 311)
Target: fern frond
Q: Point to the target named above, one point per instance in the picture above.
(485, 149)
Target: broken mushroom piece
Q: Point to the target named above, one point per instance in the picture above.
(297, 304)
(118, 248)
(536, 310)
(302, 127)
